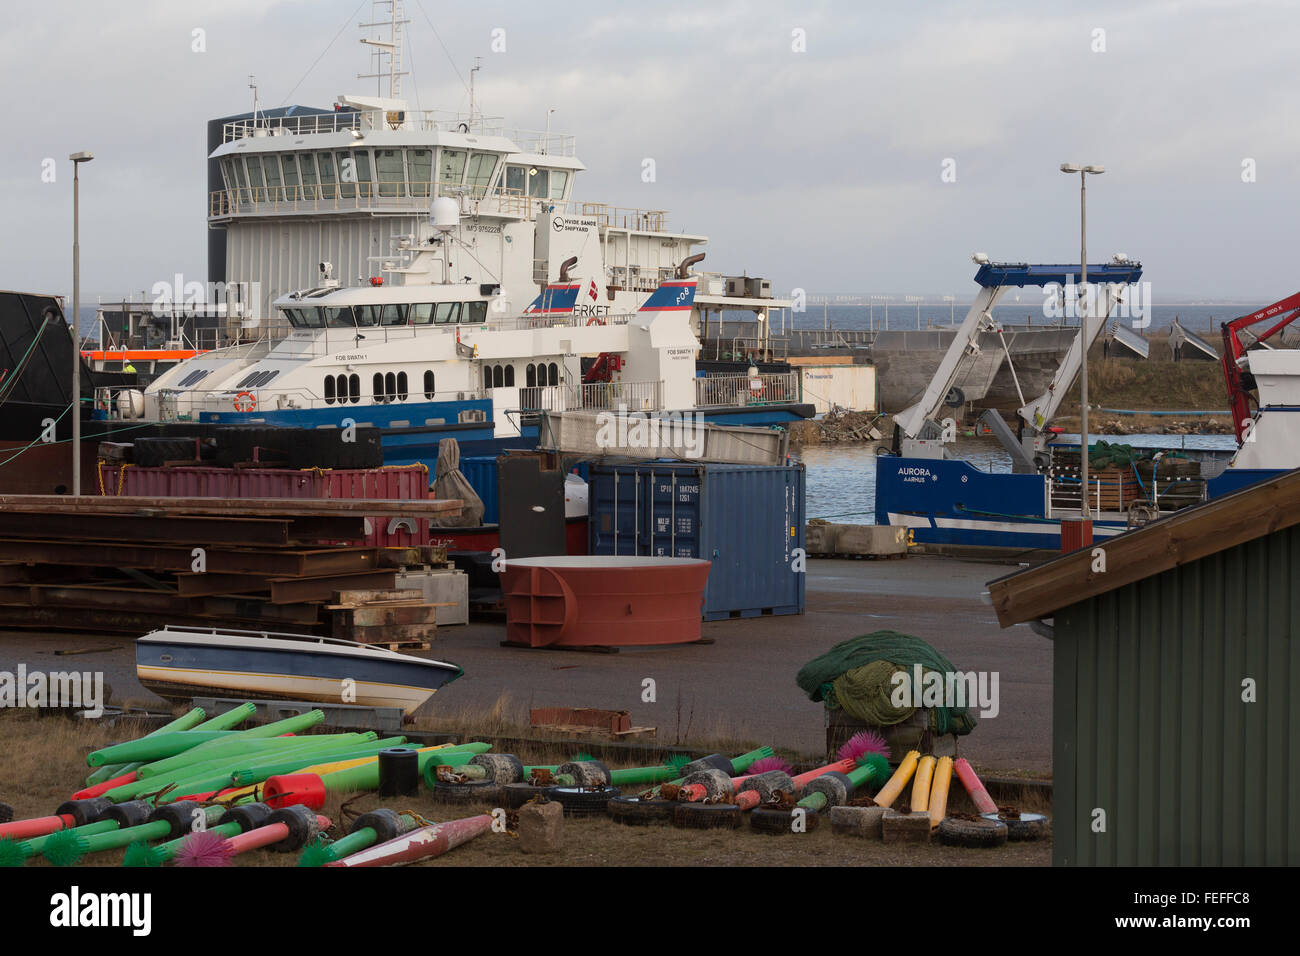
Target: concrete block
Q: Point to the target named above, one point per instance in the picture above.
(857, 821)
(871, 539)
(822, 538)
(541, 827)
(898, 827)
(441, 587)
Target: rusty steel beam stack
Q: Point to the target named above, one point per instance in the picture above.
(132, 564)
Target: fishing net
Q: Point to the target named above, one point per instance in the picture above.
(844, 679)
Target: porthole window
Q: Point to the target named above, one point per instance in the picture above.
(555, 374)
(401, 387)
(355, 382)
(390, 387)
(510, 375)
(498, 376)
(429, 390)
(530, 375)
(378, 386)
(341, 387)
(329, 389)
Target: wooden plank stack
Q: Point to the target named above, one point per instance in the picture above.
(129, 565)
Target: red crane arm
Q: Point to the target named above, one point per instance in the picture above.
(1233, 350)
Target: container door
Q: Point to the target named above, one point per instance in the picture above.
(615, 510)
(672, 503)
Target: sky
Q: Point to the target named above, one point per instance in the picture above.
(836, 147)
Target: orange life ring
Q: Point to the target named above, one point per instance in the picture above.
(595, 320)
(245, 402)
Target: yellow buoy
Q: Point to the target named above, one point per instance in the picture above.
(890, 791)
(939, 791)
(921, 785)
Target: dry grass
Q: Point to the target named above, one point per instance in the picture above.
(43, 762)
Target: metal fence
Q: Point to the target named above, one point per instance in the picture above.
(762, 389)
(634, 396)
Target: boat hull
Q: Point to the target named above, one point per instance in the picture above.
(182, 665)
(950, 502)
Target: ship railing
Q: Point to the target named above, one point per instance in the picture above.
(766, 388)
(543, 142)
(358, 397)
(565, 320)
(740, 347)
(610, 396)
(618, 217)
(363, 195)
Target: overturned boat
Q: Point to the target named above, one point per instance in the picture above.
(180, 663)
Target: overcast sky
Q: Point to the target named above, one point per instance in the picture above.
(821, 169)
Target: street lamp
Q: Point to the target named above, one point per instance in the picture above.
(76, 159)
(1084, 172)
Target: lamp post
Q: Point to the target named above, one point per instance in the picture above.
(77, 159)
(1084, 172)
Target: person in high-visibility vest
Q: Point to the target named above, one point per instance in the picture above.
(129, 368)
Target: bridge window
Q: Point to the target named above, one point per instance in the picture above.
(422, 313)
(419, 164)
(474, 313)
(429, 390)
(307, 165)
(255, 178)
(329, 389)
(271, 169)
(339, 317)
(365, 187)
(559, 179)
(538, 183)
(515, 180)
(347, 174)
(401, 387)
(394, 313)
(368, 315)
(290, 163)
(446, 313)
(481, 166)
(451, 167)
(327, 176)
(388, 165)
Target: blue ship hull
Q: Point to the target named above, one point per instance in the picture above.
(410, 431)
(951, 502)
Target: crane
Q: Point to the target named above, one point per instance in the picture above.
(1235, 374)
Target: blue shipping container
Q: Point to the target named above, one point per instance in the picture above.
(481, 473)
(747, 519)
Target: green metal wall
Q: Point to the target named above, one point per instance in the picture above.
(1149, 722)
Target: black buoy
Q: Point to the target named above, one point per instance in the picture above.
(399, 772)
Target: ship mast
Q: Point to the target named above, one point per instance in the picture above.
(386, 50)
